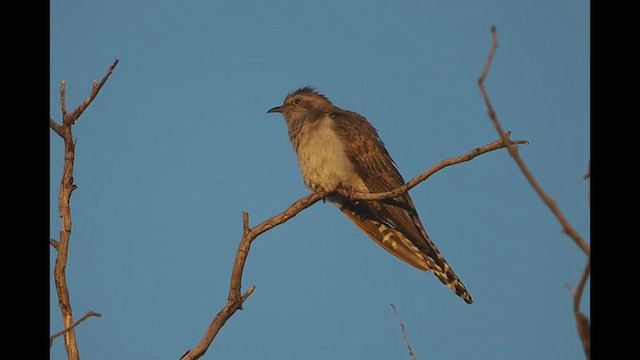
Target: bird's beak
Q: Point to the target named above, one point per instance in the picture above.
(277, 109)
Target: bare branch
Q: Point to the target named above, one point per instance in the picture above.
(85, 317)
(404, 334)
(235, 300)
(498, 144)
(513, 151)
(581, 320)
(94, 92)
(64, 207)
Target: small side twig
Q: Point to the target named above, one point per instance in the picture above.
(235, 299)
(85, 317)
(94, 92)
(404, 333)
(55, 127)
(513, 151)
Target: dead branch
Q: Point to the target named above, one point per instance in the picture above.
(581, 320)
(404, 333)
(64, 207)
(498, 144)
(235, 299)
(513, 151)
(55, 127)
(85, 317)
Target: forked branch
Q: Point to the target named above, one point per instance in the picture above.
(513, 151)
(581, 320)
(236, 299)
(64, 207)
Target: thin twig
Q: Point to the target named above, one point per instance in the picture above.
(235, 300)
(85, 317)
(54, 243)
(498, 144)
(513, 151)
(64, 207)
(404, 334)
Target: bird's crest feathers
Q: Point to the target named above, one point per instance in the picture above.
(307, 90)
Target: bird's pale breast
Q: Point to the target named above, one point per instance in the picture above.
(322, 159)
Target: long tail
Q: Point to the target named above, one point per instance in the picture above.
(399, 245)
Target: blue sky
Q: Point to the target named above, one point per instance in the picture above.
(178, 143)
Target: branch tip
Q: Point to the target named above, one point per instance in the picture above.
(245, 222)
(63, 100)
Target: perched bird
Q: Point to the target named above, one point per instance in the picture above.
(340, 149)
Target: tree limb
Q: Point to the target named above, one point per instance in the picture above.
(581, 320)
(498, 144)
(64, 207)
(513, 151)
(235, 299)
(94, 92)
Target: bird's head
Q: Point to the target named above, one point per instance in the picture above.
(302, 103)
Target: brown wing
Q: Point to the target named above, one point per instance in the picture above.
(378, 171)
(393, 223)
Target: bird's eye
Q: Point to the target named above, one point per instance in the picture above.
(297, 101)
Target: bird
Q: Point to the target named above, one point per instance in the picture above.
(340, 149)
